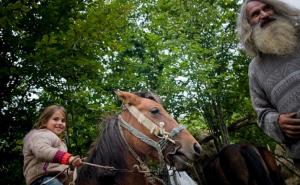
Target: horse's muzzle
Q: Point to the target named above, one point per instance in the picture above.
(182, 159)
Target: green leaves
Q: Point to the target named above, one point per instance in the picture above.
(76, 53)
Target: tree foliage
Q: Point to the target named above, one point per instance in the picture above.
(77, 52)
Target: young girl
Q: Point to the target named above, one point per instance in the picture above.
(46, 158)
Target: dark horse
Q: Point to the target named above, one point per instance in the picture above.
(142, 132)
(243, 164)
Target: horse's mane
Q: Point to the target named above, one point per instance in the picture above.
(108, 150)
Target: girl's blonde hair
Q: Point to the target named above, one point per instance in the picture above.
(46, 115)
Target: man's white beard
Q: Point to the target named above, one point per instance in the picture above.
(277, 37)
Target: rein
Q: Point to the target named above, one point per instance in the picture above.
(149, 176)
(136, 168)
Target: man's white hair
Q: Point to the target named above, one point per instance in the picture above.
(244, 29)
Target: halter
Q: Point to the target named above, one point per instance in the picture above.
(158, 131)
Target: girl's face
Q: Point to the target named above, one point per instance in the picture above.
(57, 122)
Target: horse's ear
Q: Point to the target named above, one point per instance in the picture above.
(127, 97)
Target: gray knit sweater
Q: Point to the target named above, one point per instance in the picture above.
(275, 89)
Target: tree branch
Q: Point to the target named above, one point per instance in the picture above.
(238, 124)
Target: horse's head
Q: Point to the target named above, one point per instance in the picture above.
(174, 144)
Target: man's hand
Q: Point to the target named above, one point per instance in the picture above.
(290, 125)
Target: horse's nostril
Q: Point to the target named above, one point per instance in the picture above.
(197, 149)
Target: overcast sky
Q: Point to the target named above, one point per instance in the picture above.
(294, 3)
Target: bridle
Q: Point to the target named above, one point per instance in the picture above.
(156, 129)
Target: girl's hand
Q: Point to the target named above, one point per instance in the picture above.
(75, 161)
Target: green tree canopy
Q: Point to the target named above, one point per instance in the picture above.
(77, 52)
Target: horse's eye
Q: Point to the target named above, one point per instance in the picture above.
(154, 110)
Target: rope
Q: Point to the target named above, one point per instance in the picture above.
(136, 168)
(282, 163)
(135, 155)
(150, 177)
(177, 130)
(56, 176)
(278, 157)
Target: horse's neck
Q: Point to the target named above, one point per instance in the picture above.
(137, 177)
(117, 155)
(140, 178)
(130, 178)
(132, 164)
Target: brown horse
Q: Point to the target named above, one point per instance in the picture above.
(243, 164)
(144, 132)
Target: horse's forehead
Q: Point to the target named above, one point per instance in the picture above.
(145, 102)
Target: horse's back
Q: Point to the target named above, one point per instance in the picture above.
(274, 170)
(256, 166)
(243, 165)
(227, 167)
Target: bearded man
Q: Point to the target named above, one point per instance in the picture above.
(269, 32)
